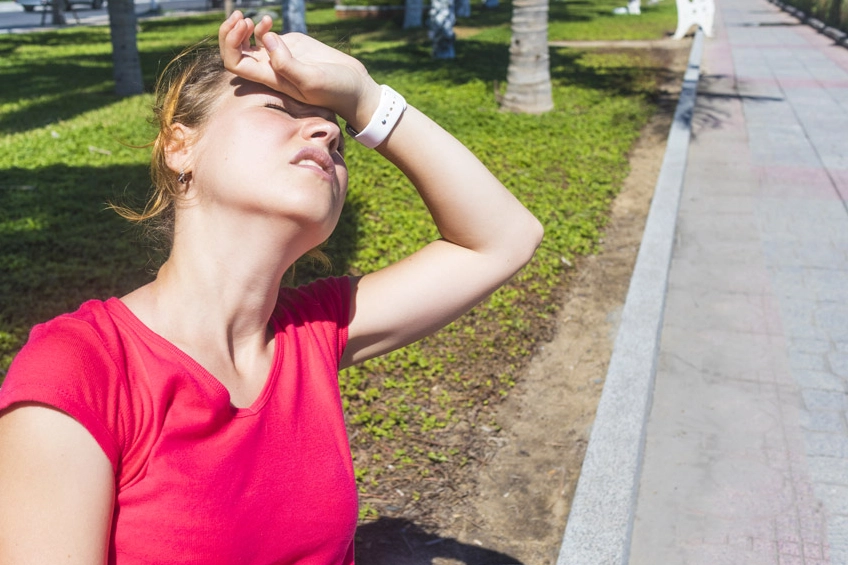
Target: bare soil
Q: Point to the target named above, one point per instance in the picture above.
(511, 507)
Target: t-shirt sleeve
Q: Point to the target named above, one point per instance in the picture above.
(324, 305)
(65, 365)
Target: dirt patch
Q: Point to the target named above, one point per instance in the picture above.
(513, 507)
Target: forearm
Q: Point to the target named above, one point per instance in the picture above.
(470, 207)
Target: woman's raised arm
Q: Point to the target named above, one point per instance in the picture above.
(487, 234)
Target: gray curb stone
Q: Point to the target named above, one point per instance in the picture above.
(602, 513)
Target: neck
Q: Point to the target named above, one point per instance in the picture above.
(219, 285)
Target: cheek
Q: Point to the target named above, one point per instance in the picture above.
(341, 174)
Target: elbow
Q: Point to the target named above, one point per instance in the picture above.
(530, 237)
(537, 233)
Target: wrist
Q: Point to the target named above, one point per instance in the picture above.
(382, 119)
(366, 104)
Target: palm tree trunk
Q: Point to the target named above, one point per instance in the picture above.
(125, 60)
(529, 74)
(58, 13)
(442, 18)
(294, 16)
(412, 14)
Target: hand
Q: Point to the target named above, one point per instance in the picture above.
(299, 66)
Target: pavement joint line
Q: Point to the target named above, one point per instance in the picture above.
(600, 523)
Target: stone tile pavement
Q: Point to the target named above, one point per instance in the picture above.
(746, 456)
(722, 432)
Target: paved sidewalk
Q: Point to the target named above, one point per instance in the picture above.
(746, 456)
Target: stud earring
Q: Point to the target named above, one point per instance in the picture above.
(183, 177)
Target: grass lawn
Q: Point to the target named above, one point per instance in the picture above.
(69, 145)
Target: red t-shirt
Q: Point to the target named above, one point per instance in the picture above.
(198, 480)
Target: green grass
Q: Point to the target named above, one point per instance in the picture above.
(68, 146)
(594, 20)
(580, 20)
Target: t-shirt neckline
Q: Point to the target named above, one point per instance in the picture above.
(117, 308)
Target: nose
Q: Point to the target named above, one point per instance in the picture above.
(327, 132)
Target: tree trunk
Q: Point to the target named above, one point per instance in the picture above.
(294, 16)
(442, 18)
(229, 7)
(462, 8)
(58, 12)
(529, 74)
(412, 14)
(125, 60)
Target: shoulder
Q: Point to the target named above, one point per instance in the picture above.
(325, 299)
(84, 338)
(316, 316)
(69, 363)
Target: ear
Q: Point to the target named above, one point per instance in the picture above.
(178, 150)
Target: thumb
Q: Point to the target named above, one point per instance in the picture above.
(278, 51)
(287, 68)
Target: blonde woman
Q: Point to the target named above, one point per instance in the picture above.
(197, 419)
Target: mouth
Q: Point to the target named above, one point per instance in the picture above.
(315, 159)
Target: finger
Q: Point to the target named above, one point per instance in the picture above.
(263, 27)
(282, 59)
(227, 26)
(249, 27)
(231, 45)
(284, 65)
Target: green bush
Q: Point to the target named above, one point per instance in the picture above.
(832, 12)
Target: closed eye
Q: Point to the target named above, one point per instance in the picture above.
(278, 107)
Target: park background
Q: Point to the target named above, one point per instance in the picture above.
(420, 420)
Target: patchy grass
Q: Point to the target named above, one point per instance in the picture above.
(580, 20)
(69, 146)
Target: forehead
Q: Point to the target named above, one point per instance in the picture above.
(246, 89)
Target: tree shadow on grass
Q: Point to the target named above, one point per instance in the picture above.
(623, 74)
(393, 541)
(59, 245)
(52, 88)
(62, 86)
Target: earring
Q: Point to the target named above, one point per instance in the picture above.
(183, 176)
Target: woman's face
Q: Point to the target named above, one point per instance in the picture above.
(264, 153)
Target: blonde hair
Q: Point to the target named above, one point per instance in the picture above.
(186, 93)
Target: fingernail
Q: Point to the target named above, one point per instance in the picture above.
(271, 41)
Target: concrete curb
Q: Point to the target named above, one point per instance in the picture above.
(601, 520)
(838, 36)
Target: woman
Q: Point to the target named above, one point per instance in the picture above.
(197, 419)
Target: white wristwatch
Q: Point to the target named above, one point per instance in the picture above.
(384, 120)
